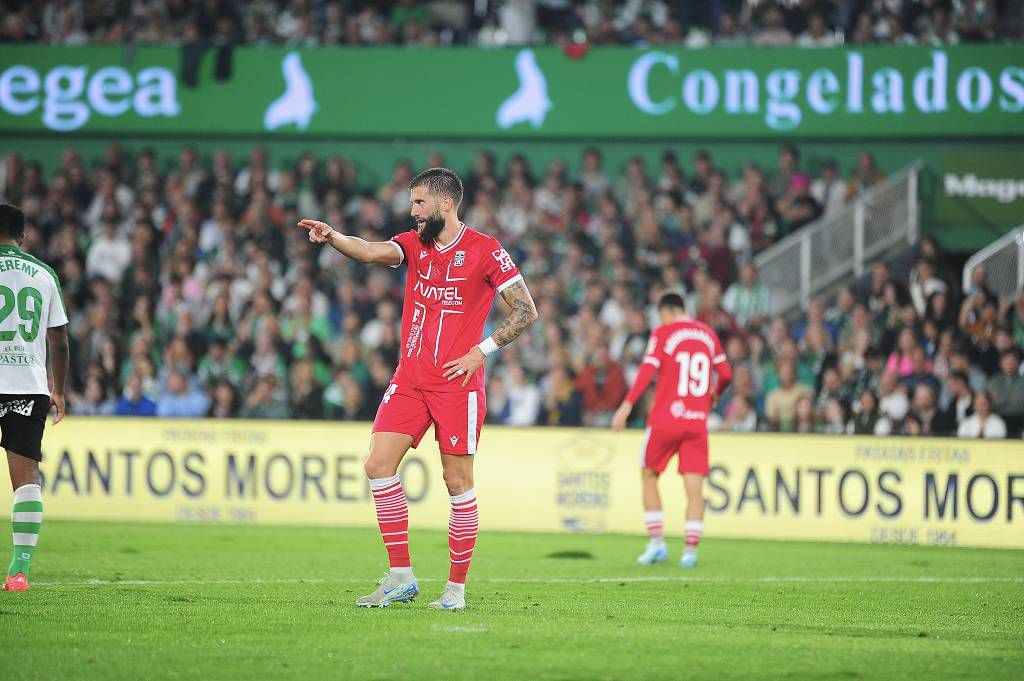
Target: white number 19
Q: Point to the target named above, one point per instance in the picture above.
(694, 373)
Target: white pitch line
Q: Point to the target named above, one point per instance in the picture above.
(792, 579)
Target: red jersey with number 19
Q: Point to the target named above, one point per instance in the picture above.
(683, 354)
(449, 291)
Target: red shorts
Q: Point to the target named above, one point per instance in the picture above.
(457, 416)
(660, 445)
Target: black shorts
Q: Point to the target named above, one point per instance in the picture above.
(22, 419)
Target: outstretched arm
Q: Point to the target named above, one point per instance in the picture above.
(378, 252)
(518, 319)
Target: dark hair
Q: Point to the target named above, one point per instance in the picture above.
(440, 182)
(959, 376)
(12, 221)
(671, 301)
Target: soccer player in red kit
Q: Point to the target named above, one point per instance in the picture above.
(453, 275)
(692, 371)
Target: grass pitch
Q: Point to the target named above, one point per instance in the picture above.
(138, 601)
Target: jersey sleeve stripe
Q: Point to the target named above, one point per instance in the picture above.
(401, 253)
(505, 285)
(653, 360)
(718, 359)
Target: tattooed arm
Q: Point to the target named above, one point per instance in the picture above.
(519, 318)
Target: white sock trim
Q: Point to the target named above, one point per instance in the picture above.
(654, 516)
(456, 587)
(468, 495)
(402, 574)
(381, 483)
(694, 525)
(28, 493)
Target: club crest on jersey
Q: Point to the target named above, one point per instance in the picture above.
(460, 258)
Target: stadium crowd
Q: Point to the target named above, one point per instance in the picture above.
(805, 23)
(191, 292)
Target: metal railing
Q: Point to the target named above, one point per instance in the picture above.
(1003, 263)
(817, 257)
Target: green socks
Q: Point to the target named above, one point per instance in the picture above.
(27, 518)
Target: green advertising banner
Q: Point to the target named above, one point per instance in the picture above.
(883, 92)
(984, 188)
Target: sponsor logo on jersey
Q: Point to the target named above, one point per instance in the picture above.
(423, 254)
(504, 260)
(448, 295)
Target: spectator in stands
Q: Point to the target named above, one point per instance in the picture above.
(264, 401)
(780, 405)
(180, 399)
(524, 397)
(892, 398)
(224, 404)
(920, 372)
(957, 398)
(773, 31)
(1006, 390)
(134, 402)
(729, 31)
(865, 177)
(94, 400)
(803, 417)
(109, 254)
(924, 409)
(562, 403)
(900, 360)
(975, 20)
(829, 190)
(924, 283)
(818, 33)
(938, 30)
(306, 398)
(979, 322)
(602, 384)
(867, 417)
(747, 299)
(834, 419)
(982, 423)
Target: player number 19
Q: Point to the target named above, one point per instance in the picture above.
(694, 373)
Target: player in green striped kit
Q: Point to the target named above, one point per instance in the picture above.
(32, 314)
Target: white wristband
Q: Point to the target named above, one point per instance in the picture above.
(487, 346)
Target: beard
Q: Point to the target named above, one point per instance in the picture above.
(430, 228)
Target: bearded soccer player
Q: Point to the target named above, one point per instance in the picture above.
(692, 371)
(454, 274)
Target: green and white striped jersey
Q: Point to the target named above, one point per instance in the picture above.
(30, 303)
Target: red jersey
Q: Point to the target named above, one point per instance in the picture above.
(684, 354)
(449, 291)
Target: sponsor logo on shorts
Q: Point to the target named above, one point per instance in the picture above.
(454, 439)
(23, 407)
(679, 411)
